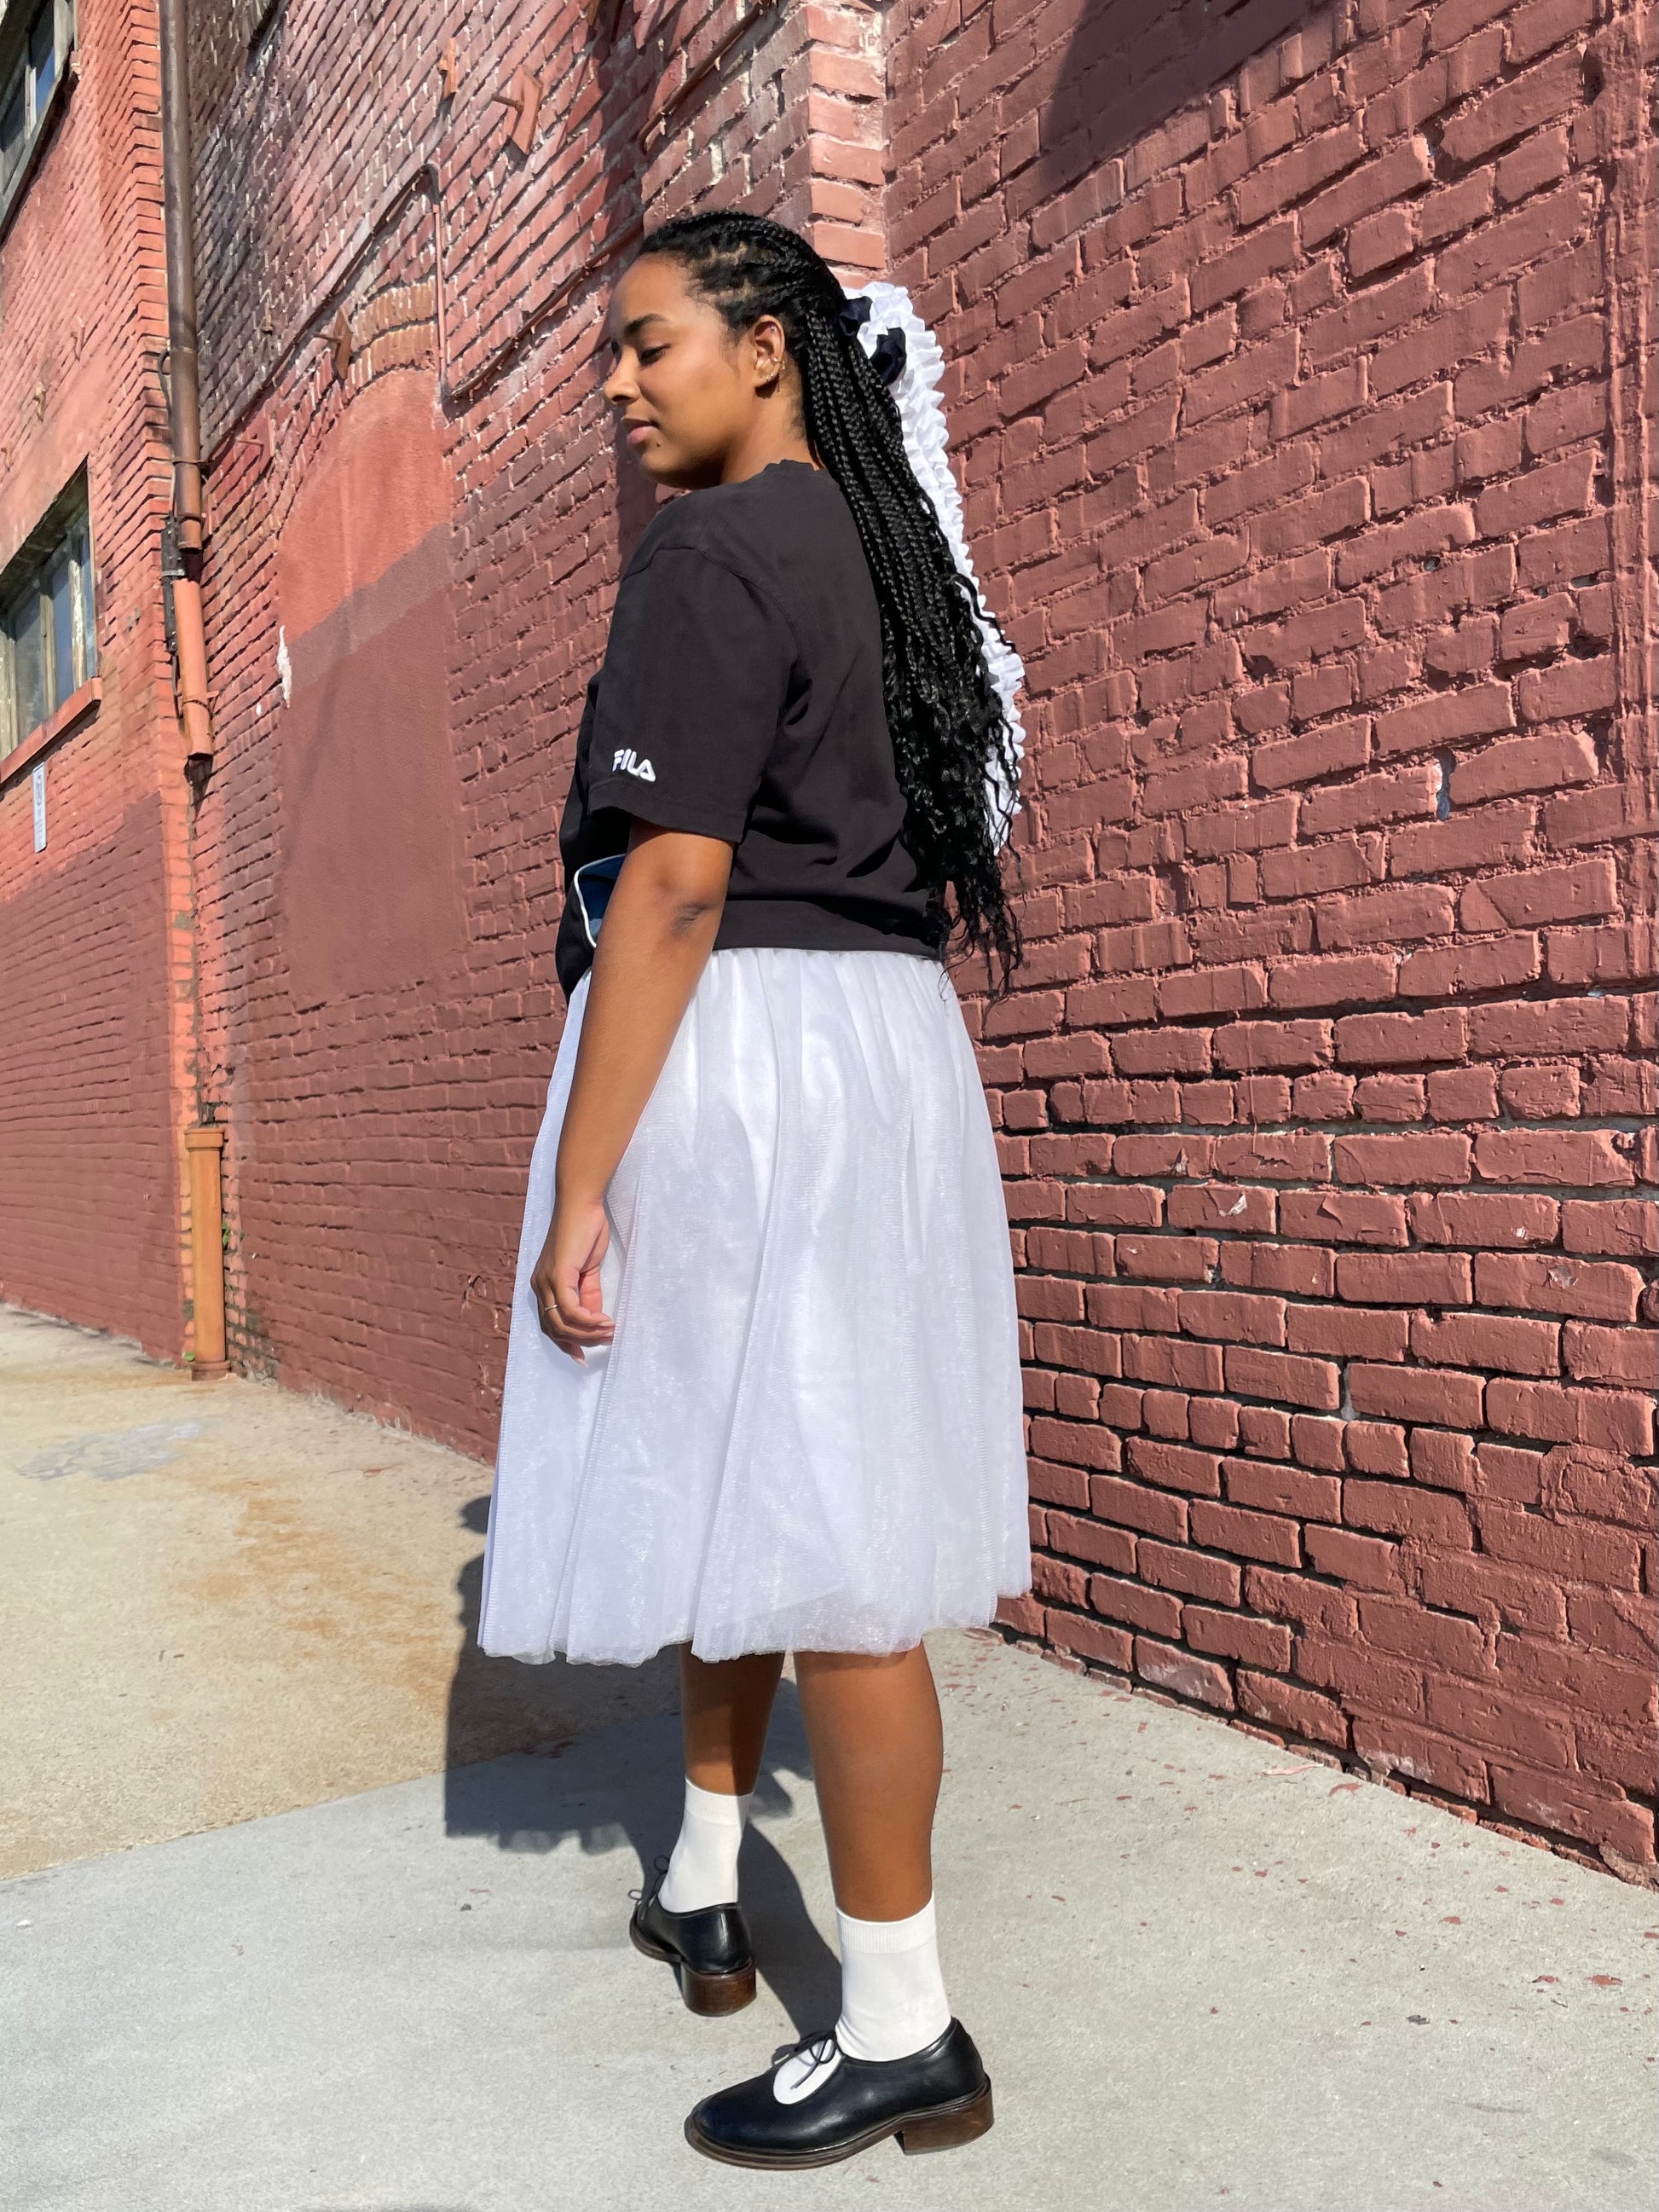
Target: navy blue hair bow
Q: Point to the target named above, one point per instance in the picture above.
(888, 358)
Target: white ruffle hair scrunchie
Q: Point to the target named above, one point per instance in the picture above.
(915, 390)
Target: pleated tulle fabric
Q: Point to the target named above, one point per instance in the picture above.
(806, 1431)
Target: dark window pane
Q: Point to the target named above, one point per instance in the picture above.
(43, 56)
(25, 629)
(87, 664)
(11, 135)
(60, 590)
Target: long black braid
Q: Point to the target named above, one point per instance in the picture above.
(943, 710)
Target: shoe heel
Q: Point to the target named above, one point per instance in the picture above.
(948, 2131)
(713, 1995)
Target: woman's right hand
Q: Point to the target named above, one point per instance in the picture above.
(566, 1279)
(659, 926)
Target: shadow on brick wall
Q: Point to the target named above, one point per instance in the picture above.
(1132, 64)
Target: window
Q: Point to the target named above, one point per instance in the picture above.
(29, 73)
(48, 645)
(252, 19)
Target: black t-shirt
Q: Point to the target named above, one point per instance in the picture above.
(741, 697)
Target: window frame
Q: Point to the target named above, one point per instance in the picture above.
(20, 72)
(64, 531)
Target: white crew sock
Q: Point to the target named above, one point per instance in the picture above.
(703, 1868)
(892, 1993)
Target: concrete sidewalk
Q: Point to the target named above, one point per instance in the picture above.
(225, 1599)
(1201, 1972)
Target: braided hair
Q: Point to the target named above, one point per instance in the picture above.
(944, 712)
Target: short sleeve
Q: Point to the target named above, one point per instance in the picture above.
(692, 693)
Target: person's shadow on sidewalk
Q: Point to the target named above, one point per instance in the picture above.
(598, 1758)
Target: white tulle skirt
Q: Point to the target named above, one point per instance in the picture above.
(806, 1431)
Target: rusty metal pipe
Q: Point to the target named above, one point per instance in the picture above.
(203, 1150)
(204, 1146)
(195, 717)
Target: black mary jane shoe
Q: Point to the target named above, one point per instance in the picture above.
(935, 2099)
(709, 1950)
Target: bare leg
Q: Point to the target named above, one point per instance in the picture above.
(723, 1709)
(724, 1705)
(897, 2054)
(878, 1754)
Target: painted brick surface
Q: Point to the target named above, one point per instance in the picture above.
(1301, 394)
(380, 1054)
(1303, 388)
(95, 1037)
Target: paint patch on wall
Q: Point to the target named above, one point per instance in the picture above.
(369, 878)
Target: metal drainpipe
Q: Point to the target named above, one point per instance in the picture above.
(194, 718)
(202, 1144)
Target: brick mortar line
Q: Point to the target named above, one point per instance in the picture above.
(1230, 1394)
(1596, 1194)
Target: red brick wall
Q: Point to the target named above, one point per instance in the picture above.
(383, 1072)
(1297, 393)
(95, 1076)
(1303, 392)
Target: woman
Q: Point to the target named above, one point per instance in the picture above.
(764, 1389)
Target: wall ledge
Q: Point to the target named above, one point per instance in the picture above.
(79, 707)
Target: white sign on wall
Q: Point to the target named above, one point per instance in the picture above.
(38, 783)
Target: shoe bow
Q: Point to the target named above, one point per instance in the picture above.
(805, 2067)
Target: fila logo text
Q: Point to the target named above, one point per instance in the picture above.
(628, 759)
